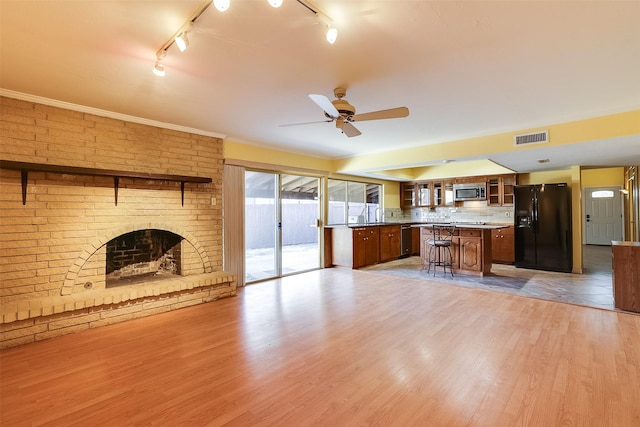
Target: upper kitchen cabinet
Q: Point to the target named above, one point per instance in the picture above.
(407, 194)
(501, 189)
(427, 194)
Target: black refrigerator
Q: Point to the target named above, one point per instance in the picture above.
(543, 227)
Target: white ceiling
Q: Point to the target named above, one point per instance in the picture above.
(463, 68)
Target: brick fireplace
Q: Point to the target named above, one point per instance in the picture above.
(64, 236)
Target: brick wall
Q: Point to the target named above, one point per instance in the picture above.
(54, 244)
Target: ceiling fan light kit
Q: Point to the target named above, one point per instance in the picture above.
(343, 113)
(181, 40)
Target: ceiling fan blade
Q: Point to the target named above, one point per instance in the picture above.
(392, 113)
(305, 123)
(350, 130)
(326, 105)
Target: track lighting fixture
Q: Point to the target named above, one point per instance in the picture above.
(332, 32)
(221, 5)
(332, 35)
(182, 41)
(158, 69)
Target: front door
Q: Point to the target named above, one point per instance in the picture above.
(603, 215)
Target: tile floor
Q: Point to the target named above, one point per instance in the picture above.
(593, 288)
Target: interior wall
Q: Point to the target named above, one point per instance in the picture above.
(44, 241)
(602, 177)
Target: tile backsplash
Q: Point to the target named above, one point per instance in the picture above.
(475, 211)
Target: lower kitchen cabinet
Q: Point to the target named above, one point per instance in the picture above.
(355, 247)
(626, 275)
(471, 253)
(503, 245)
(415, 241)
(389, 242)
(471, 250)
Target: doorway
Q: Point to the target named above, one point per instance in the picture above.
(282, 234)
(603, 220)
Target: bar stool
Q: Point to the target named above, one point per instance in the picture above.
(439, 248)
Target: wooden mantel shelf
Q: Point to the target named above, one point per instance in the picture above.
(25, 168)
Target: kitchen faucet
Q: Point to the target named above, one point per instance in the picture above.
(381, 217)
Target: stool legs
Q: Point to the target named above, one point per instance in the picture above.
(437, 256)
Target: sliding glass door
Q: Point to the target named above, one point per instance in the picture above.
(281, 224)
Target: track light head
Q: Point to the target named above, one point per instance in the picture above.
(221, 5)
(332, 35)
(182, 41)
(158, 69)
(275, 3)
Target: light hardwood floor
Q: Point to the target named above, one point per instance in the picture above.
(337, 347)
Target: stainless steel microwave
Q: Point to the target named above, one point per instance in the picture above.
(470, 191)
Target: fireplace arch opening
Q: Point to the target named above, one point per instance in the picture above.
(142, 256)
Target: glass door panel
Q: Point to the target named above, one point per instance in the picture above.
(281, 225)
(300, 232)
(261, 234)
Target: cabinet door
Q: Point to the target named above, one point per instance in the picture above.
(448, 193)
(407, 194)
(424, 194)
(500, 190)
(359, 247)
(372, 246)
(389, 242)
(415, 241)
(508, 190)
(494, 191)
(438, 194)
(470, 253)
(503, 245)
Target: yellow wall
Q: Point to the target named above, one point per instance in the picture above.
(251, 153)
(605, 127)
(546, 177)
(282, 161)
(602, 177)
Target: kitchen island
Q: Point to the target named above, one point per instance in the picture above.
(470, 250)
(359, 245)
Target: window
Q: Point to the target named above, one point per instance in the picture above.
(602, 194)
(353, 202)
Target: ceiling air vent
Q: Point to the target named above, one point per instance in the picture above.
(532, 138)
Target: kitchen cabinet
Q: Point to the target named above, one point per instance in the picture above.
(408, 194)
(427, 194)
(626, 275)
(415, 241)
(389, 236)
(503, 245)
(355, 247)
(424, 191)
(501, 190)
(471, 179)
(475, 250)
(470, 250)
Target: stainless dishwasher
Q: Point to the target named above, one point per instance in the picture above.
(405, 241)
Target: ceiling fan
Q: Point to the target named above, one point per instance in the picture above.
(344, 114)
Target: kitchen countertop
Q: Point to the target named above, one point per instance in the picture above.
(481, 226)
